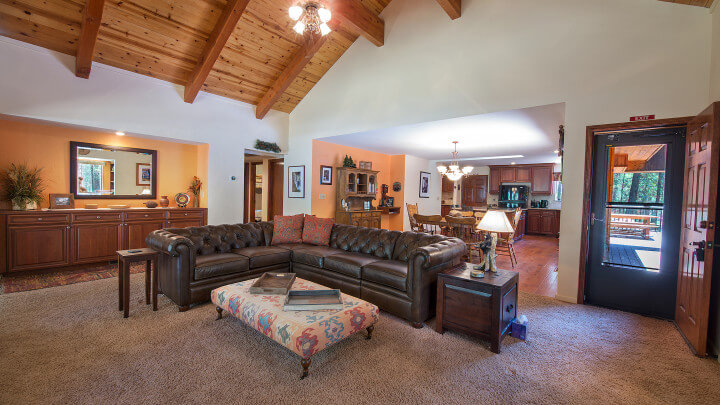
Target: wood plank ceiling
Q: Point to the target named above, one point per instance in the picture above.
(241, 49)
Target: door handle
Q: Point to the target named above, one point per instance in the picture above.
(593, 219)
(699, 250)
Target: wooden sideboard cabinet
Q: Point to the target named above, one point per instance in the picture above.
(31, 240)
(368, 219)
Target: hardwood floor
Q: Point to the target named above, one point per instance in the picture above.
(537, 263)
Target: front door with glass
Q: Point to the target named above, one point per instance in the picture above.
(635, 220)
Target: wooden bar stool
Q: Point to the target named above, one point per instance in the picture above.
(127, 258)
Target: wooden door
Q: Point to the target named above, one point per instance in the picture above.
(136, 232)
(692, 306)
(541, 179)
(249, 199)
(523, 175)
(507, 174)
(34, 247)
(93, 243)
(494, 180)
(276, 180)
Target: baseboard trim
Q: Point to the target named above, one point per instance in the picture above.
(565, 298)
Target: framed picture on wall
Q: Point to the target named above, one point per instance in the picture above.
(326, 175)
(424, 185)
(296, 182)
(143, 174)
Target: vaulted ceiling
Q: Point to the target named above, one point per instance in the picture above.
(241, 49)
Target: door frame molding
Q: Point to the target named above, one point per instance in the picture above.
(590, 133)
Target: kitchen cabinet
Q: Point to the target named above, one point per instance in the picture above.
(474, 190)
(447, 185)
(543, 222)
(540, 177)
(541, 182)
(494, 180)
(445, 209)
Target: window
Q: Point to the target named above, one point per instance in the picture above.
(90, 177)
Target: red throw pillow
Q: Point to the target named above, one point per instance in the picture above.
(316, 231)
(287, 229)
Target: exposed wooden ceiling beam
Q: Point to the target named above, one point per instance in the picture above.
(356, 17)
(215, 43)
(451, 7)
(313, 43)
(89, 26)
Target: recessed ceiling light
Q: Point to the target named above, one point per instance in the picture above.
(556, 151)
(120, 133)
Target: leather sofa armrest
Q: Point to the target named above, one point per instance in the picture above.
(168, 243)
(438, 253)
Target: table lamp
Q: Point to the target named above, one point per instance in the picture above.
(493, 222)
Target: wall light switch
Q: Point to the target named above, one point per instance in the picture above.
(322, 196)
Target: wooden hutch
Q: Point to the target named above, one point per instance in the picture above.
(356, 191)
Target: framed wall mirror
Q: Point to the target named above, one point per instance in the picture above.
(112, 172)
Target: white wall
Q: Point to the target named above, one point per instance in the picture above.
(426, 206)
(38, 83)
(715, 67)
(606, 59)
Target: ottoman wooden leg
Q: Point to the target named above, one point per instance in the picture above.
(219, 312)
(154, 284)
(305, 363)
(120, 286)
(148, 270)
(370, 330)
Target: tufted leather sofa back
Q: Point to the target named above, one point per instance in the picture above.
(213, 239)
(409, 241)
(377, 242)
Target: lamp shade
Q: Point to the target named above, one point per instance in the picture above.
(495, 221)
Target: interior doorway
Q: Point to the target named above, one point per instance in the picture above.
(263, 191)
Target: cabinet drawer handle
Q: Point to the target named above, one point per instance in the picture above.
(509, 308)
(467, 290)
(147, 215)
(98, 217)
(39, 219)
(185, 214)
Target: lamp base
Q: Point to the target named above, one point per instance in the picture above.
(477, 273)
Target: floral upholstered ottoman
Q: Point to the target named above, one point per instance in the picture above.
(303, 332)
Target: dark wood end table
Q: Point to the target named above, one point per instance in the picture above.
(125, 259)
(483, 307)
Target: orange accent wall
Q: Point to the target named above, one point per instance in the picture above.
(48, 146)
(391, 168)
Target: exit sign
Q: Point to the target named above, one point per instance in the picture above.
(642, 117)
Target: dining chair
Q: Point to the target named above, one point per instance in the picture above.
(464, 228)
(432, 224)
(412, 210)
(506, 241)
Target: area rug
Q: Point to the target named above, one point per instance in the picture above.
(36, 280)
(70, 344)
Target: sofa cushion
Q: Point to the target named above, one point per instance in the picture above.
(407, 242)
(314, 255)
(287, 229)
(219, 264)
(262, 256)
(316, 231)
(391, 273)
(294, 246)
(377, 242)
(348, 263)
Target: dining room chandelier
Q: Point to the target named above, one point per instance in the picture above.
(453, 170)
(311, 17)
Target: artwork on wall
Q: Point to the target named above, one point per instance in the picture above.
(365, 165)
(326, 175)
(61, 201)
(424, 185)
(296, 182)
(143, 174)
(397, 186)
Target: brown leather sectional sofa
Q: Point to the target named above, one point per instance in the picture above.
(397, 271)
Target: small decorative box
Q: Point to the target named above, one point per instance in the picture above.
(519, 330)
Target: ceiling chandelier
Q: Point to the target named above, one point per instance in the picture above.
(453, 171)
(311, 18)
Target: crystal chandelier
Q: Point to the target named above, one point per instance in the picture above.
(453, 171)
(311, 18)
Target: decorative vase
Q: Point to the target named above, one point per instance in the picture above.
(151, 204)
(164, 202)
(196, 201)
(24, 205)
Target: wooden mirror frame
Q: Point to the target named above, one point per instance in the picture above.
(73, 172)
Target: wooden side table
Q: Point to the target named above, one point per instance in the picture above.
(125, 259)
(483, 307)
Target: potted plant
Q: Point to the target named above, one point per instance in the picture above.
(194, 188)
(23, 186)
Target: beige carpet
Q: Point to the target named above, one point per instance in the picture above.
(70, 345)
